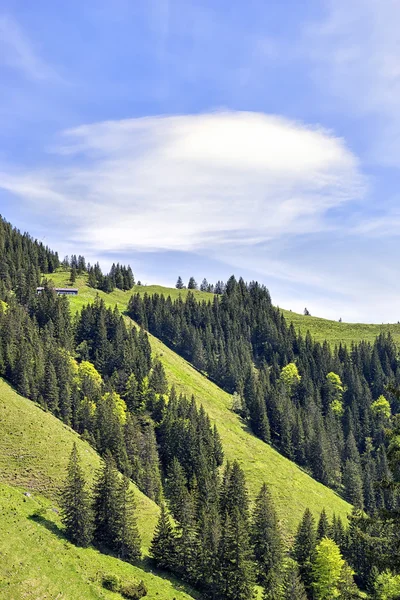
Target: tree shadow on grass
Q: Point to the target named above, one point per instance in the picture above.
(145, 564)
(49, 525)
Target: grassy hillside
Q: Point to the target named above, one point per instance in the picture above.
(34, 450)
(37, 562)
(293, 489)
(344, 333)
(117, 297)
(321, 329)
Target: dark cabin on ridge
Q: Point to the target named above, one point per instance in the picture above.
(61, 291)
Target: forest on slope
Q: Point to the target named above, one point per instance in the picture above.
(330, 410)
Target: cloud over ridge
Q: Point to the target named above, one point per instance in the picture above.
(180, 182)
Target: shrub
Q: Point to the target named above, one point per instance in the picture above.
(111, 582)
(133, 590)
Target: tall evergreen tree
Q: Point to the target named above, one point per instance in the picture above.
(304, 547)
(106, 504)
(266, 540)
(293, 587)
(235, 581)
(163, 545)
(323, 527)
(76, 511)
(127, 538)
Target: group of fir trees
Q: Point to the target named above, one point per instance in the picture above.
(218, 544)
(105, 517)
(330, 417)
(23, 260)
(120, 276)
(205, 286)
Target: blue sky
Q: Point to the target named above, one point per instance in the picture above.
(211, 138)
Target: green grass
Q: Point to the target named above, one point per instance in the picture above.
(117, 297)
(293, 489)
(34, 451)
(340, 333)
(37, 562)
(320, 329)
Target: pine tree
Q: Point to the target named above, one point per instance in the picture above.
(323, 527)
(127, 538)
(76, 512)
(235, 580)
(106, 504)
(353, 483)
(179, 283)
(266, 540)
(163, 545)
(72, 277)
(293, 587)
(304, 547)
(176, 489)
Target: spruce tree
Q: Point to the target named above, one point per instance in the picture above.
(304, 547)
(127, 538)
(266, 540)
(76, 511)
(179, 283)
(106, 504)
(163, 545)
(293, 587)
(235, 581)
(323, 527)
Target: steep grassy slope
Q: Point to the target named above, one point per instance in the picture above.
(34, 450)
(36, 562)
(293, 489)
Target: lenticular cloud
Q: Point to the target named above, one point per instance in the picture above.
(183, 182)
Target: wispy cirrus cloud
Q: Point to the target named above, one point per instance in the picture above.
(18, 52)
(357, 60)
(186, 182)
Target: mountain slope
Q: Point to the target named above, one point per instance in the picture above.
(321, 329)
(34, 451)
(37, 562)
(292, 488)
(337, 333)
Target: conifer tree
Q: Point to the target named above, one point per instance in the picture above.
(163, 545)
(126, 534)
(176, 489)
(72, 277)
(179, 283)
(76, 511)
(106, 503)
(235, 581)
(304, 547)
(266, 540)
(293, 587)
(323, 527)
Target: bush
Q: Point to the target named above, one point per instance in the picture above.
(133, 590)
(111, 582)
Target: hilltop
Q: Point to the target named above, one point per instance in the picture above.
(334, 332)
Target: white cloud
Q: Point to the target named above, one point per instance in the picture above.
(16, 51)
(357, 58)
(192, 182)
